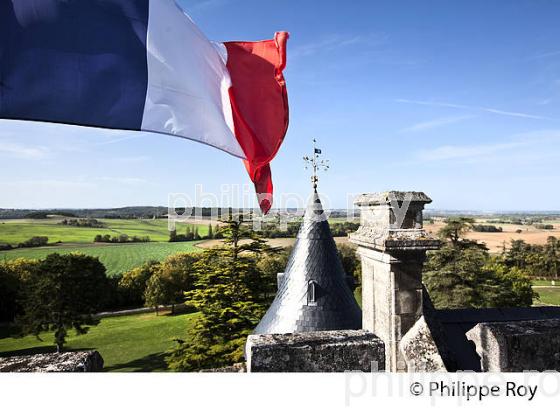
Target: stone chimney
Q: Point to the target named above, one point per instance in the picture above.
(392, 245)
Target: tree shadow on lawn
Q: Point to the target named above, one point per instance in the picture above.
(154, 362)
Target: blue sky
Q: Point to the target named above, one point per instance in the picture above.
(460, 100)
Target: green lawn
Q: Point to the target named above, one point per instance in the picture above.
(548, 296)
(542, 282)
(117, 258)
(15, 231)
(128, 343)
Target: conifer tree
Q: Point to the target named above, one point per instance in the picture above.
(462, 274)
(229, 295)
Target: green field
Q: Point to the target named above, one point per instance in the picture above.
(548, 296)
(128, 343)
(15, 231)
(543, 282)
(549, 292)
(117, 258)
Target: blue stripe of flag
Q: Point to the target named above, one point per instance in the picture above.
(74, 61)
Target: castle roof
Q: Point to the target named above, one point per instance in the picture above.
(314, 293)
(457, 322)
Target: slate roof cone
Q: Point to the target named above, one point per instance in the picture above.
(314, 292)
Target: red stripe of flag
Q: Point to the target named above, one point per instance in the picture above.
(259, 103)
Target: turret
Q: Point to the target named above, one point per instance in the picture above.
(314, 292)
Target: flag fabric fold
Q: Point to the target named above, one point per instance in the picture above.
(260, 106)
(144, 65)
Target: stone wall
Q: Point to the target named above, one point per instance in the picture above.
(325, 351)
(518, 346)
(53, 362)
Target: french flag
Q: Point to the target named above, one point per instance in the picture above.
(144, 65)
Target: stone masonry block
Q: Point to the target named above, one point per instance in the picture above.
(518, 346)
(324, 351)
(90, 361)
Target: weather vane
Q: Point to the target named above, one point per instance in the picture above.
(316, 164)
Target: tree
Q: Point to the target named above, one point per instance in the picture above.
(350, 262)
(517, 253)
(63, 293)
(453, 277)
(189, 236)
(511, 287)
(229, 293)
(178, 270)
(133, 283)
(269, 266)
(14, 275)
(455, 229)
(462, 274)
(210, 233)
(552, 254)
(34, 242)
(537, 261)
(159, 291)
(9, 288)
(471, 278)
(173, 235)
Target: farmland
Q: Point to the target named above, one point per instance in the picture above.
(14, 231)
(495, 240)
(138, 342)
(117, 257)
(126, 343)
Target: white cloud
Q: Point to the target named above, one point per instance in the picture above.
(448, 152)
(122, 180)
(55, 139)
(474, 108)
(545, 55)
(131, 160)
(46, 185)
(438, 122)
(206, 4)
(513, 114)
(117, 136)
(335, 41)
(545, 101)
(23, 151)
(522, 145)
